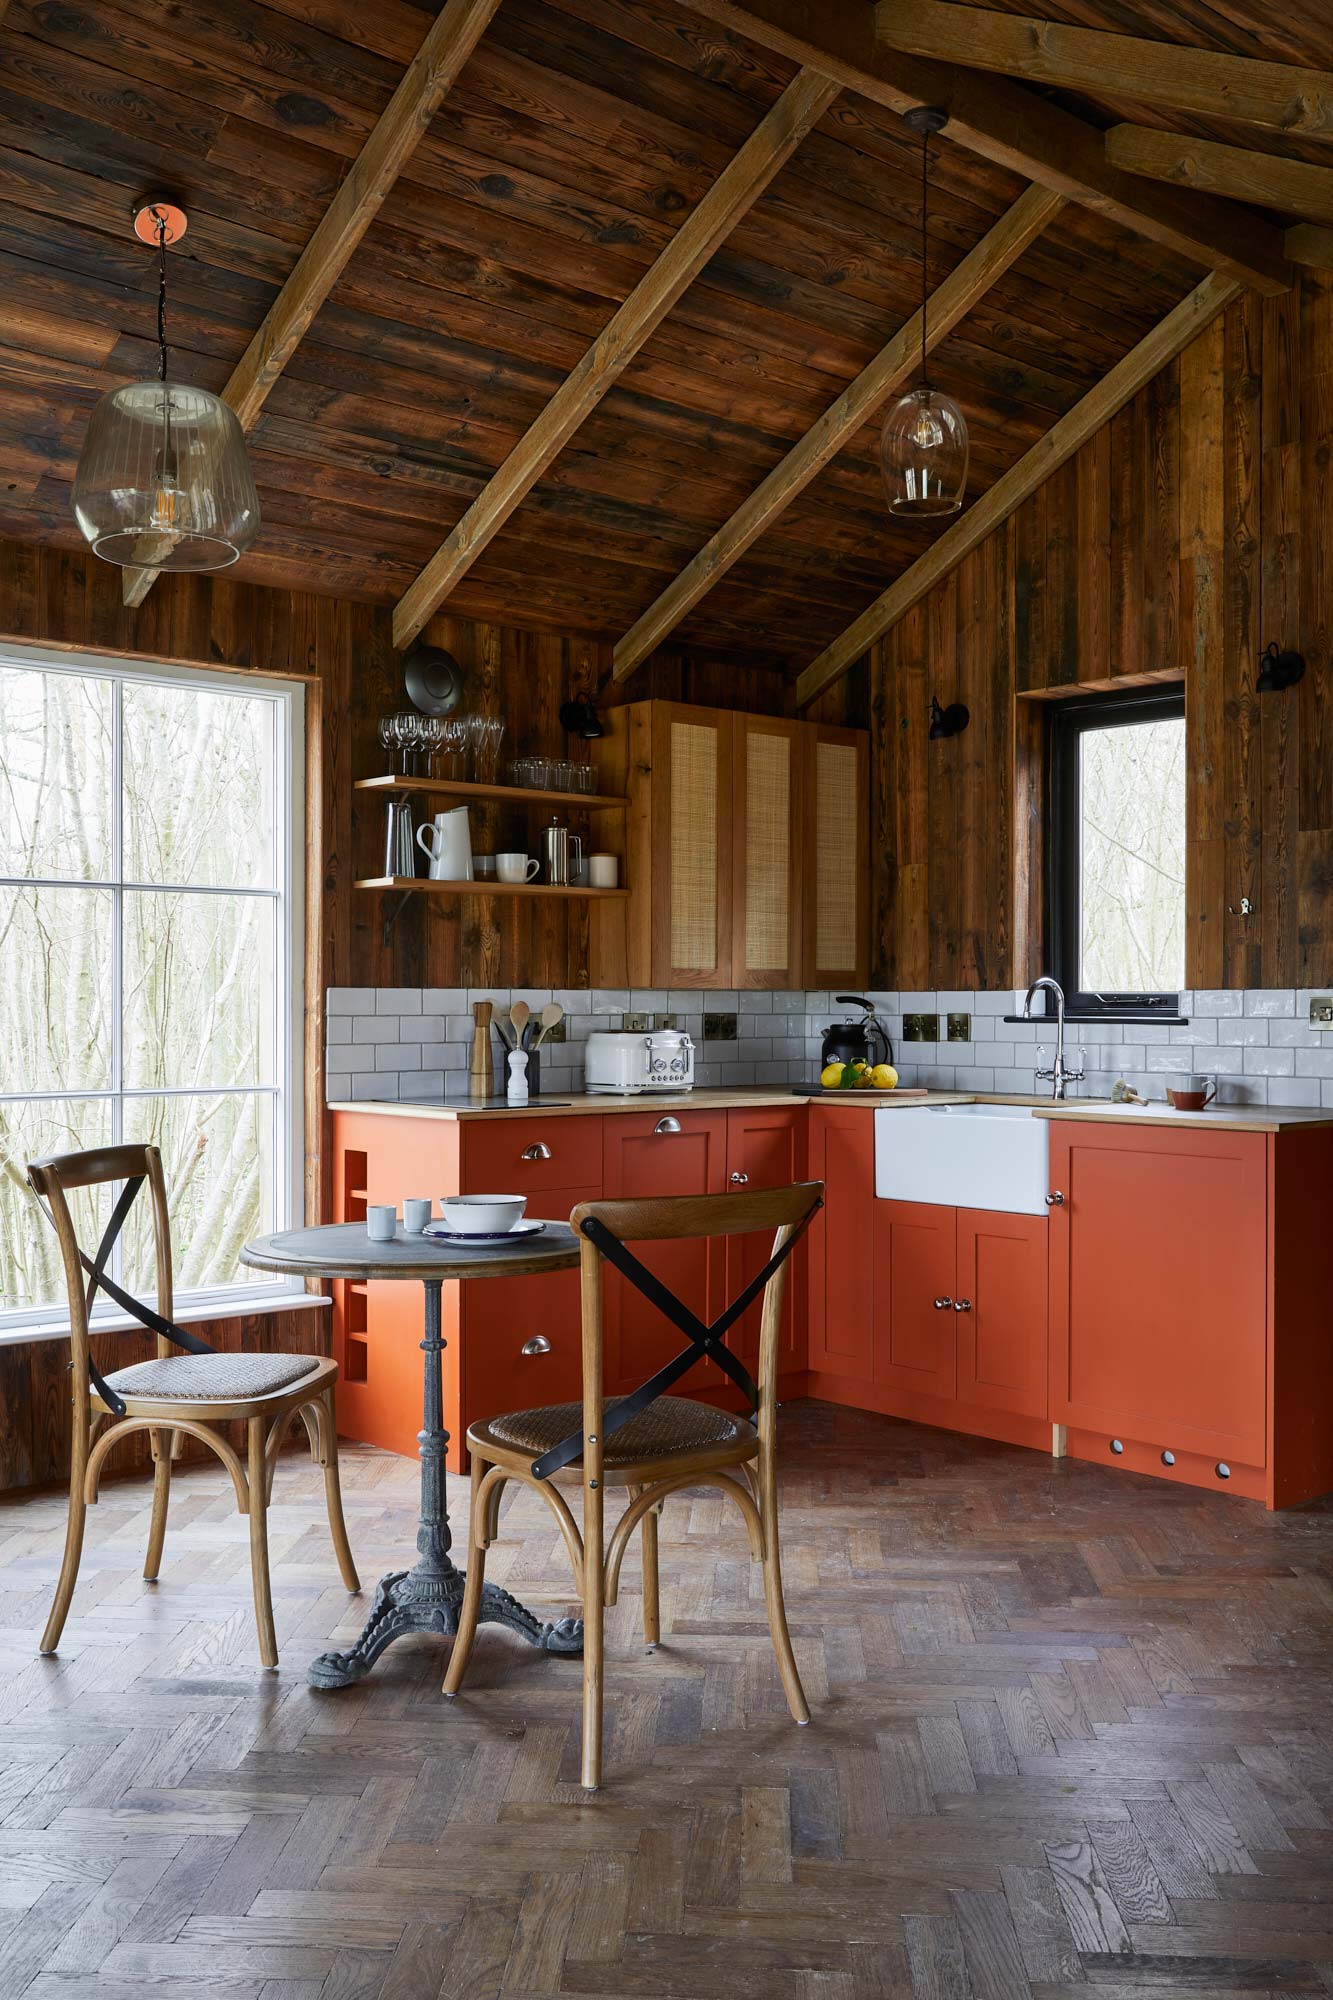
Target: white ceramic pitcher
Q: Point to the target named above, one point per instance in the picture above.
(448, 842)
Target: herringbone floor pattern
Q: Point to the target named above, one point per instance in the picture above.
(1072, 1735)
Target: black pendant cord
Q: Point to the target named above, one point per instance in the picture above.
(161, 222)
(925, 278)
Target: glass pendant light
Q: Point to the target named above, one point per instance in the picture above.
(923, 446)
(163, 480)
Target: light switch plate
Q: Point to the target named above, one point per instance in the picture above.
(1321, 1010)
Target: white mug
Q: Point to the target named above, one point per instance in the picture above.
(416, 1213)
(516, 867)
(381, 1222)
(603, 871)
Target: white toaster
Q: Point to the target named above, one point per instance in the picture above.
(622, 1063)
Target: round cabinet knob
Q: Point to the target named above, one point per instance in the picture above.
(740, 1180)
(537, 1151)
(962, 1305)
(942, 1305)
(539, 1344)
(667, 1125)
(1055, 1200)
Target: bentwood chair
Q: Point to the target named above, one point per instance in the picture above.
(647, 1442)
(196, 1393)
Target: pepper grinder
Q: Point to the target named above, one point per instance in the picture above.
(517, 1092)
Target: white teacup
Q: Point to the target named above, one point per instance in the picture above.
(516, 867)
(603, 871)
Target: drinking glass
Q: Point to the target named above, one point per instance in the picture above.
(386, 737)
(490, 734)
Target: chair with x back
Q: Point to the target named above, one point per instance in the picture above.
(195, 1392)
(648, 1442)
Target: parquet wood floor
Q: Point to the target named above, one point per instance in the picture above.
(1072, 1735)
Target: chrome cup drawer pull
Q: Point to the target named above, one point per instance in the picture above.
(962, 1305)
(942, 1305)
(740, 1180)
(539, 1344)
(666, 1125)
(536, 1151)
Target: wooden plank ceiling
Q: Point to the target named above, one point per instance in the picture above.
(578, 137)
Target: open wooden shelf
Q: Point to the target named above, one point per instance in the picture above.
(521, 795)
(489, 887)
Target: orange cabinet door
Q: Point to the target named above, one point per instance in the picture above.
(1000, 1311)
(841, 1282)
(642, 1156)
(521, 1339)
(915, 1337)
(765, 1149)
(1159, 1286)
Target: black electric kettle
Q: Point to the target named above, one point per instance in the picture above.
(850, 1041)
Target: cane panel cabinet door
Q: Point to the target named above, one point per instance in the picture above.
(767, 851)
(1159, 1287)
(766, 1149)
(841, 1260)
(646, 1154)
(837, 857)
(915, 1259)
(1000, 1311)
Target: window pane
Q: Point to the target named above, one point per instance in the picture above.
(217, 1156)
(55, 775)
(55, 989)
(198, 990)
(1132, 858)
(31, 1272)
(199, 786)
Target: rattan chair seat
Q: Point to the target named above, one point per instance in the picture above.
(672, 1426)
(212, 1378)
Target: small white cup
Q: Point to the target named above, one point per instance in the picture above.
(516, 867)
(381, 1222)
(416, 1214)
(603, 871)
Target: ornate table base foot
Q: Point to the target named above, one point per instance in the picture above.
(407, 1602)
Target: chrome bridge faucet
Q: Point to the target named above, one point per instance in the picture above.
(1057, 1076)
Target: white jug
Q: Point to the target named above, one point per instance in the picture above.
(448, 842)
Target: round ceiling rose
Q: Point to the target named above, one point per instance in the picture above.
(146, 221)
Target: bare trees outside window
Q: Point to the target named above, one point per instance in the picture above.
(146, 951)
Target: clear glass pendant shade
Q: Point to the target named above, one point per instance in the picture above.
(923, 454)
(164, 481)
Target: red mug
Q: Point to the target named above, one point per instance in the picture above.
(1192, 1100)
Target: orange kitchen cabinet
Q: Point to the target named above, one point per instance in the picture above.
(1000, 1296)
(914, 1336)
(1160, 1293)
(667, 1151)
(766, 1148)
(840, 1290)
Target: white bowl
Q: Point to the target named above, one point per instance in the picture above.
(482, 1214)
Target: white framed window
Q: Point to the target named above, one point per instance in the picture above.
(151, 925)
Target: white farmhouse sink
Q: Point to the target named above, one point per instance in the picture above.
(963, 1156)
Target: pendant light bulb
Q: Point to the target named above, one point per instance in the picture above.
(923, 447)
(163, 480)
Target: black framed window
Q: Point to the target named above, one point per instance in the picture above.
(1116, 851)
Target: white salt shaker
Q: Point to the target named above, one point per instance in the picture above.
(517, 1092)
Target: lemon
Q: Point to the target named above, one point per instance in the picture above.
(831, 1076)
(885, 1076)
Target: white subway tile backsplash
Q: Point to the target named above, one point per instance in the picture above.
(1210, 1001)
(1245, 1031)
(351, 1000)
(1273, 1003)
(1270, 1062)
(376, 1028)
(398, 1000)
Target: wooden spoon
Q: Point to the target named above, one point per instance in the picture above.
(518, 1020)
(551, 1017)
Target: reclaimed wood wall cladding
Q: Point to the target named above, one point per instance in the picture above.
(1187, 534)
(35, 1407)
(577, 138)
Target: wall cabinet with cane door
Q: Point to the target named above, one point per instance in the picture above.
(739, 827)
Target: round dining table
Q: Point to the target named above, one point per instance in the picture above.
(427, 1597)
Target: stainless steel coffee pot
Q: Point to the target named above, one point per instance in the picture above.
(561, 852)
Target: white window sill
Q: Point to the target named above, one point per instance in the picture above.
(243, 1307)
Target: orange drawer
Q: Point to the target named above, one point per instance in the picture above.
(503, 1316)
(524, 1155)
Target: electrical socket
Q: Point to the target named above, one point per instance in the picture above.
(719, 1027)
(1321, 1010)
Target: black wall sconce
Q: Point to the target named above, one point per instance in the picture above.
(950, 721)
(579, 717)
(1278, 671)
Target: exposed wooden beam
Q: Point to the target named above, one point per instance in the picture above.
(1006, 123)
(1307, 243)
(891, 368)
(773, 141)
(1206, 82)
(1293, 185)
(399, 129)
(1102, 401)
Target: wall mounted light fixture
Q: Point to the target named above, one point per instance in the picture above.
(1278, 670)
(945, 722)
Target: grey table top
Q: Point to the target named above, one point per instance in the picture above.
(344, 1250)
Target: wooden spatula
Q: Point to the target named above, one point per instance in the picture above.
(551, 1017)
(518, 1020)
